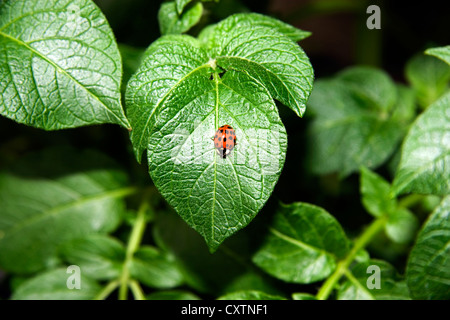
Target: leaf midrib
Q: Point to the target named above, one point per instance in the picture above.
(298, 243)
(63, 71)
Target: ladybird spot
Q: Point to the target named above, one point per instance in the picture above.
(224, 139)
(220, 138)
(230, 138)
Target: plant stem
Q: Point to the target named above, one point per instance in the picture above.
(360, 243)
(410, 200)
(137, 290)
(133, 244)
(110, 287)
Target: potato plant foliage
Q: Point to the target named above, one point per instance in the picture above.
(127, 195)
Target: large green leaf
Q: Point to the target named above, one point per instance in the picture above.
(52, 285)
(60, 65)
(392, 287)
(98, 256)
(357, 122)
(428, 269)
(442, 53)
(52, 197)
(185, 89)
(303, 244)
(429, 77)
(425, 161)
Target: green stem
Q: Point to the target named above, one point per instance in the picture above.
(360, 243)
(410, 200)
(136, 290)
(110, 287)
(133, 244)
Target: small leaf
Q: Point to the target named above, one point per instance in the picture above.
(60, 65)
(52, 285)
(391, 286)
(172, 295)
(172, 22)
(376, 194)
(303, 244)
(442, 53)
(249, 295)
(428, 268)
(52, 197)
(180, 4)
(402, 225)
(98, 256)
(352, 127)
(425, 161)
(155, 269)
(429, 77)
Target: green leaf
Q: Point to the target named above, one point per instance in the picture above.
(429, 77)
(428, 268)
(52, 285)
(172, 295)
(303, 296)
(392, 287)
(425, 161)
(442, 53)
(405, 106)
(303, 244)
(172, 22)
(98, 256)
(180, 4)
(373, 86)
(180, 96)
(52, 197)
(155, 269)
(376, 194)
(353, 126)
(249, 295)
(261, 48)
(252, 19)
(60, 65)
(402, 225)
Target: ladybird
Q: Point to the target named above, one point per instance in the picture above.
(224, 140)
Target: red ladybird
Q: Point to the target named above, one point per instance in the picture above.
(224, 140)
